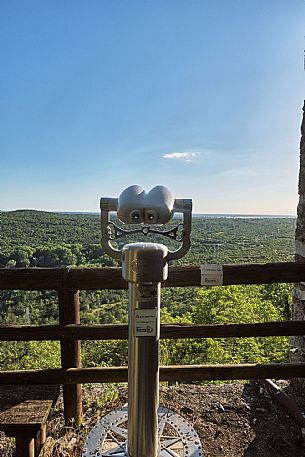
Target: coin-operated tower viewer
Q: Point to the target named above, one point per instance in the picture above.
(142, 428)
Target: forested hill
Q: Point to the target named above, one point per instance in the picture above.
(37, 238)
(37, 228)
(41, 239)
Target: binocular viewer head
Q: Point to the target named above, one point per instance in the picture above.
(136, 206)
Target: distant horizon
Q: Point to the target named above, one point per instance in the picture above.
(216, 215)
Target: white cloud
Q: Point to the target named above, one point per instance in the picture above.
(186, 156)
(239, 172)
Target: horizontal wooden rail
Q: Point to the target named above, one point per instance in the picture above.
(111, 278)
(120, 332)
(168, 373)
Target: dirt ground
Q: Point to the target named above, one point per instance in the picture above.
(235, 420)
(232, 420)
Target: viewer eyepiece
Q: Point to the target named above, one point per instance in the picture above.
(135, 216)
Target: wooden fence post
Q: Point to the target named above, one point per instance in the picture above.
(69, 313)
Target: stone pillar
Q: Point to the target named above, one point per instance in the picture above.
(297, 352)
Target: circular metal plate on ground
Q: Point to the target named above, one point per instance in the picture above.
(108, 438)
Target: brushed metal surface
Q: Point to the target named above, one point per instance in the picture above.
(143, 379)
(144, 267)
(144, 262)
(177, 438)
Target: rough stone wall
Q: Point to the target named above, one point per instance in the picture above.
(297, 352)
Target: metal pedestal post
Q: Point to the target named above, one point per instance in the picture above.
(144, 267)
(142, 429)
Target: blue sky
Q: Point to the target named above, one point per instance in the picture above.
(204, 97)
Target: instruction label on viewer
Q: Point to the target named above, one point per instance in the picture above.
(211, 275)
(145, 322)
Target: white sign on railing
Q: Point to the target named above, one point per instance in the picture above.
(211, 275)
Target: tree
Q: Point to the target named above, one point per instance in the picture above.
(239, 304)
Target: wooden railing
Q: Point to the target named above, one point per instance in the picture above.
(68, 282)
